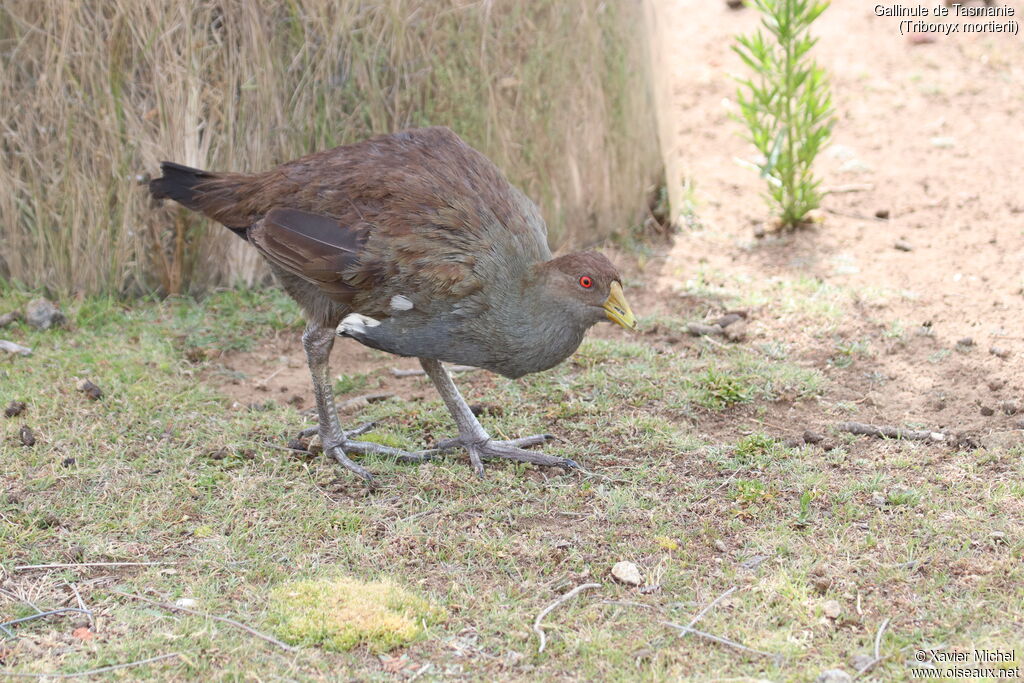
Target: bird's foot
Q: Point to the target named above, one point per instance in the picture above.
(348, 444)
(513, 449)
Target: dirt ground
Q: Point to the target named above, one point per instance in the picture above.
(925, 155)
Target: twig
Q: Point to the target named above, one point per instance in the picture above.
(73, 565)
(707, 609)
(844, 189)
(633, 603)
(547, 610)
(226, 620)
(878, 638)
(416, 373)
(15, 596)
(417, 515)
(420, 671)
(81, 604)
(878, 647)
(11, 347)
(360, 401)
(92, 672)
(719, 639)
(853, 215)
(40, 615)
(888, 432)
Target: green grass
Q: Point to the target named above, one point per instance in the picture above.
(687, 483)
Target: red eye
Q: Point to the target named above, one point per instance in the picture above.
(586, 282)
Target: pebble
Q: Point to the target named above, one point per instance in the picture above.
(987, 411)
(187, 603)
(882, 214)
(627, 573)
(966, 341)
(943, 143)
(720, 546)
(1010, 407)
(996, 383)
(42, 314)
(14, 409)
(999, 352)
(90, 390)
(861, 661)
(832, 609)
(834, 676)
(813, 437)
(903, 245)
(27, 436)
(736, 332)
(728, 319)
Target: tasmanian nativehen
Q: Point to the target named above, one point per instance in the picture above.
(413, 243)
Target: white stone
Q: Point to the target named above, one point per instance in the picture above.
(627, 572)
(187, 603)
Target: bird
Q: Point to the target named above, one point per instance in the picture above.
(413, 243)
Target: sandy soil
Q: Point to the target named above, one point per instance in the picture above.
(929, 134)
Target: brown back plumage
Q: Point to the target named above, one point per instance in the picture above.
(418, 210)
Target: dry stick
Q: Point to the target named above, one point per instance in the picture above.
(718, 639)
(236, 624)
(416, 373)
(360, 401)
(81, 604)
(547, 610)
(878, 646)
(11, 347)
(707, 609)
(888, 432)
(853, 187)
(91, 672)
(73, 565)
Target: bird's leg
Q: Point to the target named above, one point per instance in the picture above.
(472, 435)
(318, 341)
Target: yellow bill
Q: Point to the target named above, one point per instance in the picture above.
(617, 309)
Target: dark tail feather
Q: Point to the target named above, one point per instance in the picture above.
(211, 194)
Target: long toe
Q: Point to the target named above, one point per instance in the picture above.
(365, 447)
(522, 442)
(338, 454)
(527, 441)
(510, 451)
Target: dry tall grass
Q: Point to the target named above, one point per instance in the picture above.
(93, 94)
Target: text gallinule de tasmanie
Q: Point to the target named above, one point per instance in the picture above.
(413, 243)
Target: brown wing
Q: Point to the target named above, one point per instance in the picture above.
(314, 247)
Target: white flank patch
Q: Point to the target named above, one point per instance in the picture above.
(401, 303)
(356, 323)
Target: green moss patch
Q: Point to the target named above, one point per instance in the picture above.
(342, 613)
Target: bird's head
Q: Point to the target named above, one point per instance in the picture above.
(588, 287)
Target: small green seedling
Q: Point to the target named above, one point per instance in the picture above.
(786, 105)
